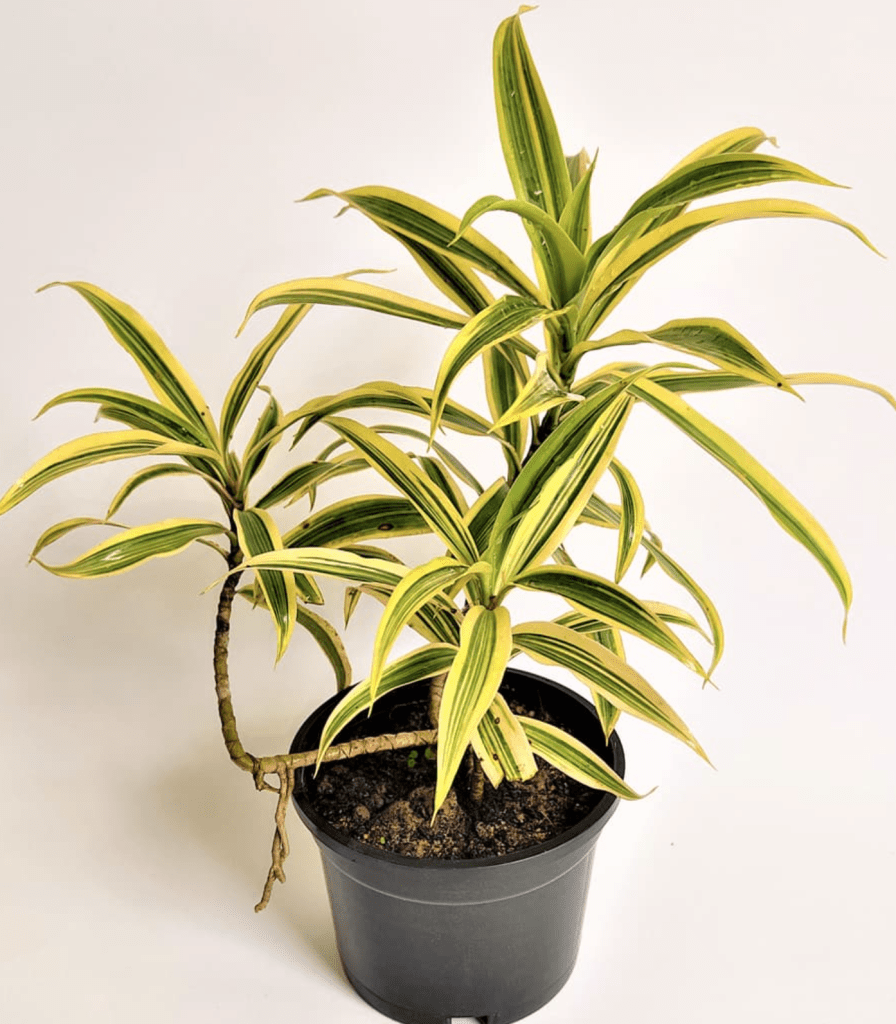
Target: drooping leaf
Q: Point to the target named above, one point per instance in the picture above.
(423, 663)
(305, 478)
(631, 526)
(481, 517)
(258, 448)
(604, 672)
(133, 547)
(574, 758)
(89, 451)
(340, 565)
(59, 530)
(143, 476)
(504, 741)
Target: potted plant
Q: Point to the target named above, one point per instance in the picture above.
(477, 725)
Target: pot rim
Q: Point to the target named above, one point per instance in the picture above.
(324, 831)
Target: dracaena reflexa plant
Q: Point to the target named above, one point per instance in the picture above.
(558, 429)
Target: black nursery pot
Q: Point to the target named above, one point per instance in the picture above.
(491, 937)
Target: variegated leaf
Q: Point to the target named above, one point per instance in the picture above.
(257, 533)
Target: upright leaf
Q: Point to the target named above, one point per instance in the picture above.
(258, 534)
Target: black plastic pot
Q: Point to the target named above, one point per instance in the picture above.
(493, 937)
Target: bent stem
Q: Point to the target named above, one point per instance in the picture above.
(282, 765)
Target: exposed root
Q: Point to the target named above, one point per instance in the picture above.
(280, 847)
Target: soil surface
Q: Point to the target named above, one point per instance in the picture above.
(386, 799)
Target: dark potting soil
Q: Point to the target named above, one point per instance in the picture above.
(386, 799)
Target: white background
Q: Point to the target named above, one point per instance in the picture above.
(155, 149)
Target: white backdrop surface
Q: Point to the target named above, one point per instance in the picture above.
(155, 149)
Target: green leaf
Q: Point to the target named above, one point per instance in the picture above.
(541, 392)
(508, 316)
(169, 381)
(574, 759)
(610, 603)
(504, 742)
(258, 533)
(737, 140)
(471, 686)
(505, 373)
(631, 526)
(414, 220)
(481, 517)
(562, 264)
(365, 517)
(785, 509)
(338, 291)
(710, 339)
(60, 530)
(529, 137)
(417, 588)
(604, 672)
(243, 386)
(258, 446)
(139, 411)
(386, 395)
(626, 262)
(143, 476)
(341, 565)
(438, 620)
(423, 663)
(306, 477)
(88, 451)
(576, 217)
(400, 471)
(450, 460)
(547, 497)
(326, 637)
(135, 546)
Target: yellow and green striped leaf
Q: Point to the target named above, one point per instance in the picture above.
(317, 626)
(439, 475)
(169, 381)
(547, 497)
(340, 565)
(257, 533)
(540, 393)
(615, 268)
(785, 509)
(338, 291)
(505, 374)
(365, 517)
(574, 758)
(243, 386)
(259, 446)
(412, 482)
(505, 743)
(423, 663)
(60, 530)
(562, 263)
(736, 140)
(438, 620)
(143, 476)
(603, 672)
(711, 339)
(526, 125)
(135, 546)
(417, 588)
(411, 219)
(481, 517)
(471, 686)
(631, 525)
(507, 317)
(576, 217)
(305, 478)
(609, 603)
(89, 451)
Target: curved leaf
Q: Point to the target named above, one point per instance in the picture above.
(60, 530)
(505, 743)
(631, 526)
(471, 686)
(423, 663)
(610, 603)
(604, 672)
(365, 517)
(576, 217)
(88, 451)
(338, 291)
(508, 316)
(143, 476)
(412, 219)
(243, 386)
(540, 393)
(401, 472)
(341, 565)
(417, 588)
(169, 381)
(135, 546)
(257, 533)
(574, 759)
(306, 477)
